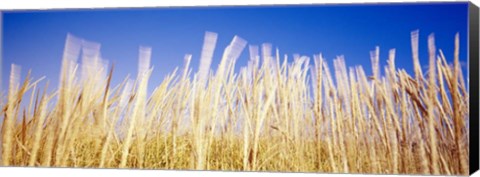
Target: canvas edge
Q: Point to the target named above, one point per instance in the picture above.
(474, 75)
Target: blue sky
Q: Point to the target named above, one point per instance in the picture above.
(35, 39)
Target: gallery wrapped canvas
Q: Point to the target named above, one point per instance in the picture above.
(353, 88)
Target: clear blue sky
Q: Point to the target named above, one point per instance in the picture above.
(35, 39)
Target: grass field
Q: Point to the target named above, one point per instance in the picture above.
(276, 114)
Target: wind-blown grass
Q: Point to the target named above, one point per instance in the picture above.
(273, 115)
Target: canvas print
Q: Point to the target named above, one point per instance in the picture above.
(352, 88)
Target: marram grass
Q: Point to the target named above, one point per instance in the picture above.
(276, 114)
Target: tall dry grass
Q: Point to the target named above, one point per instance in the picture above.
(276, 114)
